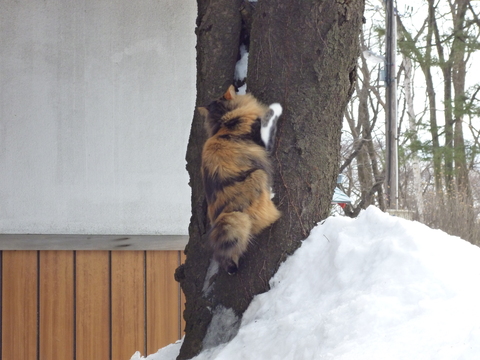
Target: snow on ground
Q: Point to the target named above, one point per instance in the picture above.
(375, 287)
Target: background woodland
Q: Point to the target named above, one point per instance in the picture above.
(438, 116)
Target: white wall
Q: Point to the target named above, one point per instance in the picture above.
(96, 101)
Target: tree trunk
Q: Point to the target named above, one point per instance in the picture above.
(436, 149)
(218, 34)
(446, 67)
(409, 47)
(417, 177)
(364, 168)
(459, 64)
(303, 55)
(369, 174)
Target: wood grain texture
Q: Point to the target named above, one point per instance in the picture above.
(124, 302)
(128, 303)
(56, 305)
(92, 305)
(19, 304)
(163, 297)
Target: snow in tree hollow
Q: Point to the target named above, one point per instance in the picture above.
(241, 69)
(208, 283)
(242, 64)
(375, 287)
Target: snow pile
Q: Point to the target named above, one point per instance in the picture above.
(375, 287)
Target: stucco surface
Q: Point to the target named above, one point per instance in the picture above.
(96, 103)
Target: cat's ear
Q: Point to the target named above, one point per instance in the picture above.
(203, 111)
(230, 93)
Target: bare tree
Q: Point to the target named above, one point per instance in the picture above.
(412, 126)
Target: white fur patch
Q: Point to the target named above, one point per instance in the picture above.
(277, 109)
(272, 194)
(265, 131)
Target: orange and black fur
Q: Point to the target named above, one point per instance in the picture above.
(237, 173)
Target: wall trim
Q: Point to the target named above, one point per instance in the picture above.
(92, 242)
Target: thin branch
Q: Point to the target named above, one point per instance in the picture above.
(354, 154)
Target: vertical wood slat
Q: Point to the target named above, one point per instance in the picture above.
(92, 305)
(127, 303)
(183, 257)
(134, 305)
(56, 328)
(19, 304)
(163, 310)
(1, 302)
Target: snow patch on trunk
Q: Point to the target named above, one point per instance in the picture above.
(222, 329)
(208, 283)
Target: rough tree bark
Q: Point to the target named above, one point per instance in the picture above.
(218, 32)
(303, 55)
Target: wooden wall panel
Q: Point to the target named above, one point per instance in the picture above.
(183, 257)
(92, 305)
(163, 299)
(56, 305)
(89, 304)
(19, 304)
(128, 303)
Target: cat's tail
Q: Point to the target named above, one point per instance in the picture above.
(229, 238)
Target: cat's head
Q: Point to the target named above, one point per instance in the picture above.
(231, 109)
(214, 111)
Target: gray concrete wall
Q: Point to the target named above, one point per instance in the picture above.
(96, 102)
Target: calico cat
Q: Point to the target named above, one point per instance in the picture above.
(237, 173)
